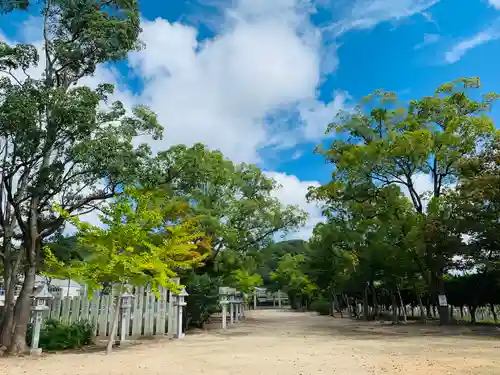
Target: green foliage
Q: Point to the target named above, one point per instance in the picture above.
(245, 281)
(235, 206)
(203, 299)
(233, 201)
(146, 239)
(380, 245)
(55, 335)
(321, 306)
(290, 277)
(61, 140)
(270, 256)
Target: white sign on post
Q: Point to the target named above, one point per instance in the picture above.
(442, 300)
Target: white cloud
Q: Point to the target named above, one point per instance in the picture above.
(494, 3)
(461, 48)
(297, 154)
(428, 40)
(293, 191)
(316, 115)
(365, 14)
(218, 92)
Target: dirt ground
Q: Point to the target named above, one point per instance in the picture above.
(288, 343)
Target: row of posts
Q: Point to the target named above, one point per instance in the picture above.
(176, 310)
(236, 302)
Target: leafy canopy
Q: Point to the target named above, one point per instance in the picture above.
(145, 240)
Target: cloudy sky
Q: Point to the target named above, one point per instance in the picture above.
(261, 79)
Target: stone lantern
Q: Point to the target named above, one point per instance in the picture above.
(239, 309)
(180, 308)
(223, 299)
(125, 307)
(232, 303)
(39, 300)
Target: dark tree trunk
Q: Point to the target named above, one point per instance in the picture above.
(22, 314)
(401, 303)
(461, 311)
(366, 311)
(10, 272)
(473, 314)
(492, 308)
(375, 303)
(336, 305)
(421, 305)
(395, 316)
(7, 325)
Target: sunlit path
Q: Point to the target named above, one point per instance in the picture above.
(282, 342)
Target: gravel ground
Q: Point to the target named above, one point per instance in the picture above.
(272, 342)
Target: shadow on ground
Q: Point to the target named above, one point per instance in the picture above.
(355, 329)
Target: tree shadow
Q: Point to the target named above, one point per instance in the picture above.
(383, 330)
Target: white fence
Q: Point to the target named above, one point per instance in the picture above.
(148, 315)
(482, 313)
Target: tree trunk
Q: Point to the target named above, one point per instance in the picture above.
(472, 310)
(403, 309)
(428, 308)
(7, 325)
(375, 303)
(22, 312)
(492, 308)
(420, 303)
(461, 311)
(365, 304)
(395, 316)
(444, 315)
(336, 304)
(10, 272)
(114, 324)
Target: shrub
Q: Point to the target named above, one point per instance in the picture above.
(55, 335)
(203, 299)
(321, 306)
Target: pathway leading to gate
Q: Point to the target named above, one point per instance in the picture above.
(281, 342)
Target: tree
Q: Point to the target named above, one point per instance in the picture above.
(291, 278)
(234, 201)
(145, 240)
(331, 263)
(60, 140)
(235, 204)
(477, 201)
(381, 144)
(269, 257)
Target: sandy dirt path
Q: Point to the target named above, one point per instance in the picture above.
(274, 342)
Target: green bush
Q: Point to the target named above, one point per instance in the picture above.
(55, 335)
(321, 306)
(203, 299)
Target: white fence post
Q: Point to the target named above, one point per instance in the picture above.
(172, 312)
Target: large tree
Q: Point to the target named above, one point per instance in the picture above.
(61, 141)
(237, 209)
(383, 143)
(147, 239)
(234, 201)
(477, 201)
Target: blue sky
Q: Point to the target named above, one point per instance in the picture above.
(261, 79)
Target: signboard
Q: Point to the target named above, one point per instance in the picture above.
(442, 300)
